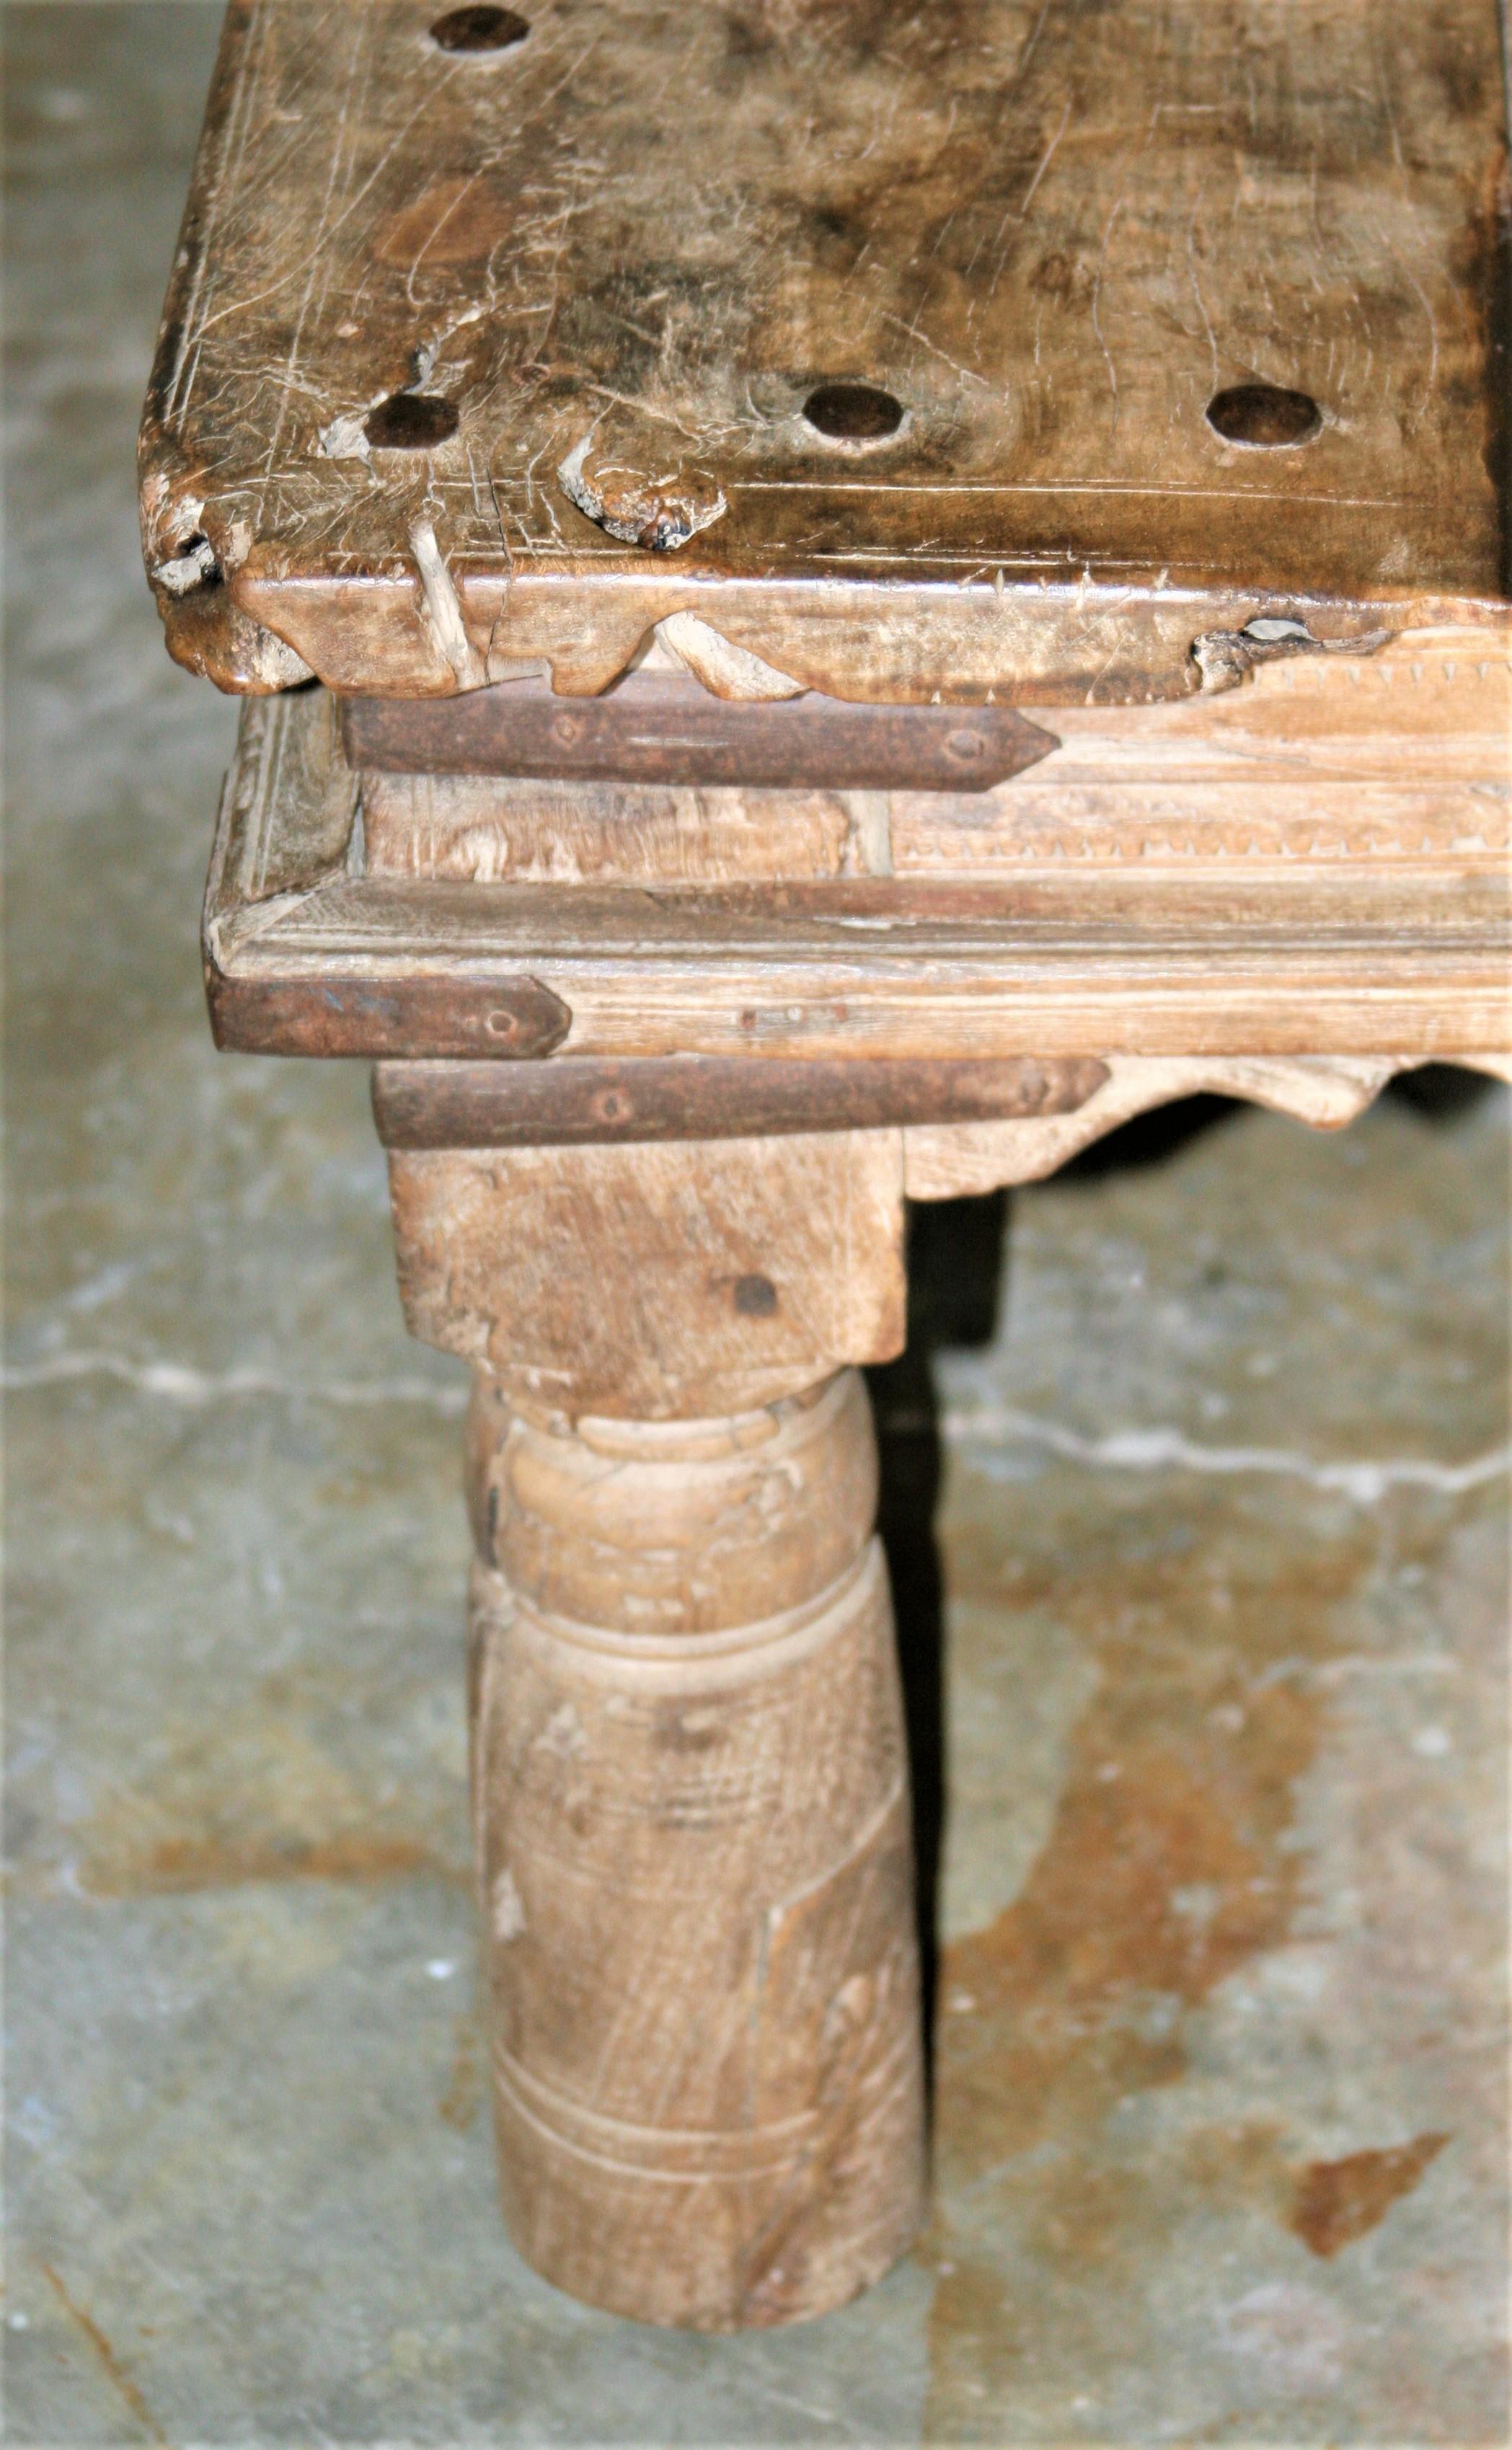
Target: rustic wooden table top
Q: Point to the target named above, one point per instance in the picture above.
(1000, 346)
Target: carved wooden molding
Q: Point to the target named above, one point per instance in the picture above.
(693, 1855)
(310, 951)
(948, 1160)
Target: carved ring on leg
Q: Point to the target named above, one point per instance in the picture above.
(694, 1858)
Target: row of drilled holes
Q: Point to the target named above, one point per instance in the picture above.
(847, 411)
(1257, 417)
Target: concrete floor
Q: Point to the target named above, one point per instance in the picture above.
(1222, 1575)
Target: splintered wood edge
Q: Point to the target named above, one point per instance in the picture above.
(269, 566)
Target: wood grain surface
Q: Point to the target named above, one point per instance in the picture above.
(480, 829)
(659, 1281)
(1403, 754)
(1182, 920)
(1410, 961)
(477, 358)
(694, 1866)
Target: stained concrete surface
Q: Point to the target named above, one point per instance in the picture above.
(1221, 1567)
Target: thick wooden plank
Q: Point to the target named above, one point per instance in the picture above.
(1359, 760)
(1182, 316)
(697, 1097)
(1411, 963)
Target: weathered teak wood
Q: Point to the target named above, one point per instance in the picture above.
(1286, 894)
(1399, 755)
(999, 348)
(1217, 944)
(1144, 362)
(689, 1761)
(657, 1282)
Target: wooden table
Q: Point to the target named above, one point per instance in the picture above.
(833, 601)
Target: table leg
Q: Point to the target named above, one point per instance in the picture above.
(694, 1858)
(690, 1770)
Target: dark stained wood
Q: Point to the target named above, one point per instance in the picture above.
(698, 1097)
(662, 728)
(602, 285)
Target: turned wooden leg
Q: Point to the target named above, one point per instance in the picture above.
(694, 1858)
(690, 1773)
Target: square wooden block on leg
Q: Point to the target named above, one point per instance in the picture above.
(676, 1280)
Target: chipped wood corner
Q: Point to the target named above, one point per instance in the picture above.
(660, 512)
(889, 506)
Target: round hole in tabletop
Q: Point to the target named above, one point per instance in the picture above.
(1262, 416)
(410, 421)
(479, 30)
(853, 411)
